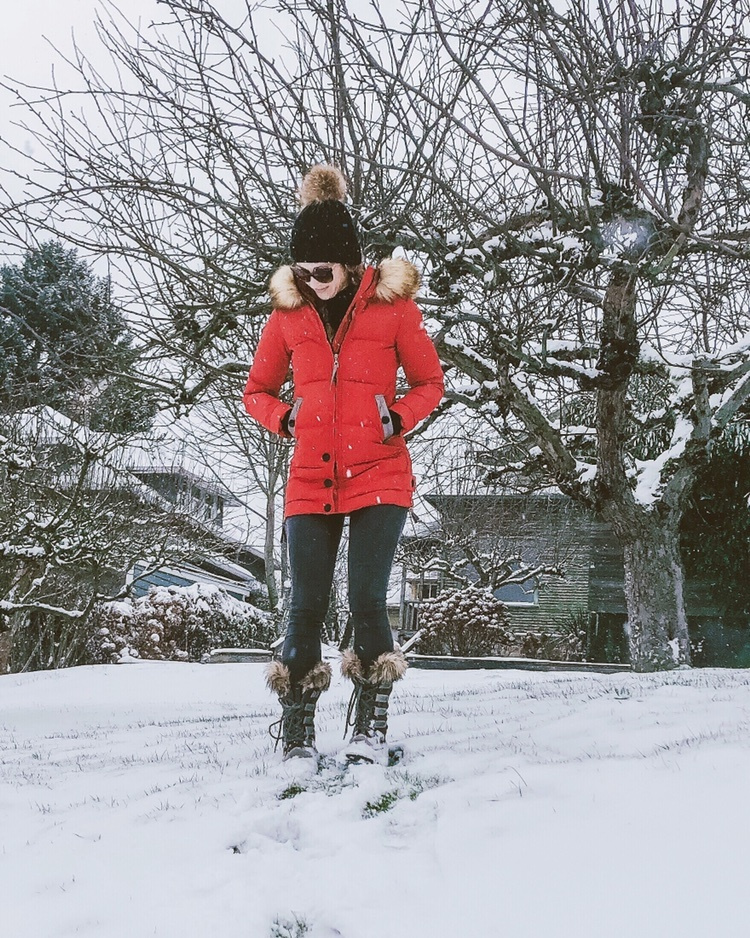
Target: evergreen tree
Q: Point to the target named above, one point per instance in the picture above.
(64, 343)
(715, 534)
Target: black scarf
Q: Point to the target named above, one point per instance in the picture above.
(332, 311)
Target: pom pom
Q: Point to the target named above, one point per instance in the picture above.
(321, 184)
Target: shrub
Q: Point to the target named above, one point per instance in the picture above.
(175, 623)
(567, 641)
(468, 622)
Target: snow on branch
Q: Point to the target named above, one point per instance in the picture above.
(27, 551)
(7, 608)
(731, 404)
(649, 472)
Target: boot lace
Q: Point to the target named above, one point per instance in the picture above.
(290, 727)
(360, 712)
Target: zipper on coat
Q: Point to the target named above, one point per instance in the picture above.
(334, 371)
(335, 433)
(338, 341)
(335, 345)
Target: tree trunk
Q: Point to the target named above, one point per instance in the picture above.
(268, 550)
(657, 621)
(5, 649)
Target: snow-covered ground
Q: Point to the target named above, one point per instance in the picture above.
(145, 800)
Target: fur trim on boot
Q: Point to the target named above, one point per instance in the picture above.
(317, 678)
(351, 666)
(278, 679)
(296, 728)
(389, 667)
(368, 707)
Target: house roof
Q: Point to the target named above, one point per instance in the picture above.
(178, 470)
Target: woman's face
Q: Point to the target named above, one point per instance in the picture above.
(326, 291)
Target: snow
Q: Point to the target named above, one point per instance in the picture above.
(741, 347)
(469, 352)
(585, 472)
(649, 472)
(576, 367)
(144, 800)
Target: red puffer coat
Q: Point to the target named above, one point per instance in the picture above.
(346, 456)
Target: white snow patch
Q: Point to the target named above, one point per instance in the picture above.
(576, 367)
(145, 801)
(585, 472)
(649, 472)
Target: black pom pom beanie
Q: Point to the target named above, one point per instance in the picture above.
(324, 231)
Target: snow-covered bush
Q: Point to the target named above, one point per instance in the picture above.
(466, 622)
(175, 623)
(472, 622)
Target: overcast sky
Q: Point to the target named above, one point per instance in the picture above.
(32, 31)
(32, 27)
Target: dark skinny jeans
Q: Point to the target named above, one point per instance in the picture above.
(313, 542)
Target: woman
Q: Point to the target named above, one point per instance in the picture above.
(345, 330)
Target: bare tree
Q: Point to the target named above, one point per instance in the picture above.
(573, 182)
(591, 244)
(73, 520)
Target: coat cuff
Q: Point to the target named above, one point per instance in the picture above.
(403, 411)
(280, 417)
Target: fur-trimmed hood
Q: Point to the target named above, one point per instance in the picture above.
(394, 278)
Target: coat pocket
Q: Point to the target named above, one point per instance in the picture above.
(385, 417)
(292, 422)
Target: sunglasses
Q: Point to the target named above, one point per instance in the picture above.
(323, 274)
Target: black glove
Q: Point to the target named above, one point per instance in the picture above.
(396, 422)
(285, 422)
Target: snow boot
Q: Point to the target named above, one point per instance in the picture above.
(368, 707)
(296, 728)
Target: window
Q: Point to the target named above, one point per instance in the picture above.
(519, 594)
(430, 589)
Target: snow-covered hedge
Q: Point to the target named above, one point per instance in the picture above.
(472, 622)
(467, 622)
(176, 624)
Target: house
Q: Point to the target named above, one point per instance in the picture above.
(533, 531)
(520, 532)
(236, 568)
(155, 470)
